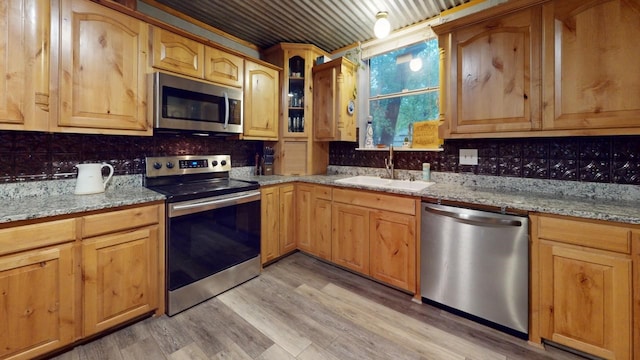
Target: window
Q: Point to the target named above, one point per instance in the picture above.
(403, 89)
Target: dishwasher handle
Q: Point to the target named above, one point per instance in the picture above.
(475, 219)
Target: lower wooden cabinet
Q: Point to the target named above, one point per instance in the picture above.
(37, 303)
(582, 285)
(375, 234)
(277, 221)
(109, 297)
(313, 219)
(58, 285)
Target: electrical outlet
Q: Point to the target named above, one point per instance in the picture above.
(468, 156)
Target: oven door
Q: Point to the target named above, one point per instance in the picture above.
(213, 244)
(186, 104)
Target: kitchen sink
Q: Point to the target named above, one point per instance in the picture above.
(375, 181)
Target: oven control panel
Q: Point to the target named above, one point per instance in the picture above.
(187, 164)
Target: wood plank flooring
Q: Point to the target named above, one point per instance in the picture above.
(302, 308)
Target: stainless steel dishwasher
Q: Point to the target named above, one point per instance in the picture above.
(476, 264)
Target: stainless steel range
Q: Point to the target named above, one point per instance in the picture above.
(213, 226)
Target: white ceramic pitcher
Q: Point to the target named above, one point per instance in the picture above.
(90, 179)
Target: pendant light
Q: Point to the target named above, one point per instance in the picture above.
(382, 26)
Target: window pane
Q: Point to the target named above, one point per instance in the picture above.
(391, 72)
(392, 116)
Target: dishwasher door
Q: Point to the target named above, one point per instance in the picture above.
(477, 262)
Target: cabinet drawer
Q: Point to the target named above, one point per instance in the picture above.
(322, 192)
(34, 236)
(583, 233)
(108, 222)
(375, 200)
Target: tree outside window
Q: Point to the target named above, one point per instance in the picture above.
(403, 87)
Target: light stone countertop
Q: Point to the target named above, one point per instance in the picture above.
(611, 202)
(40, 199)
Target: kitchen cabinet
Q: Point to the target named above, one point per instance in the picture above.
(37, 283)
(24, 57)
(223, 68)
(589, 62)
(261, 110)
(277, 221)
(334, 99)
(102, 78)
(493, 78)
(176, 53)
(64, 280)
(129, 243)
(532, 68)
(582, 285)
(313, 219)
(296, 152)
(375, 234)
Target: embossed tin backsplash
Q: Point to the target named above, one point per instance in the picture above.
(614, 159)
(41, 156)
(28, 156)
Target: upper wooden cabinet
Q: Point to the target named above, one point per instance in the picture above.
(591, 76)
(24, 58)
(334, 110)
(224, 68)
(102, 79)
(261, 108)
(494, 73)
(178, 54)
(542, 68)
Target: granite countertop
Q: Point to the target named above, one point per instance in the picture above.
(40, 199)
(599, 201)
(611, 202)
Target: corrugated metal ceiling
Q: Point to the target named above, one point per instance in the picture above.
(328, 24)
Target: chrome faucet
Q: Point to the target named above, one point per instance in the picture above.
(388, 163)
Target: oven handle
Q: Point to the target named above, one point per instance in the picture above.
(226, 110)
(212, 203)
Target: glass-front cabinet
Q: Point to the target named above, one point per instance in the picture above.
(296, 153)
(296, 95)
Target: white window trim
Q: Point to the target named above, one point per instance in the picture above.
(396, 40)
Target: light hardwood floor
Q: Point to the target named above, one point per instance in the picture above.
(302, 308)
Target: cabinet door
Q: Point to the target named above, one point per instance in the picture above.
(334, 112)
(494, 80)
(393, 249)
(120, 278)
(585, 300)
(321, 236)
(590, 64)
(260, 102)
(350, 237)
(306, 224)
(222, 67)
(24, 59)
(287, 219)
(270, 225)
(175, 53)
(37, 303)
(103, 63)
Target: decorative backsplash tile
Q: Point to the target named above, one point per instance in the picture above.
(26, 156)
(605, 159)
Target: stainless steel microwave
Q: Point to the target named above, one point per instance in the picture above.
(185, 104)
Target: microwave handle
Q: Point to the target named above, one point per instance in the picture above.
(226, 110)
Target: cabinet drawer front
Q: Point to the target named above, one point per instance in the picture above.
(322, 192)
(93, 225)
(375, 200)
(598, 236)
(33, 236)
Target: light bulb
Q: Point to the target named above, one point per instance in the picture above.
(415, 64)
(382, 26)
